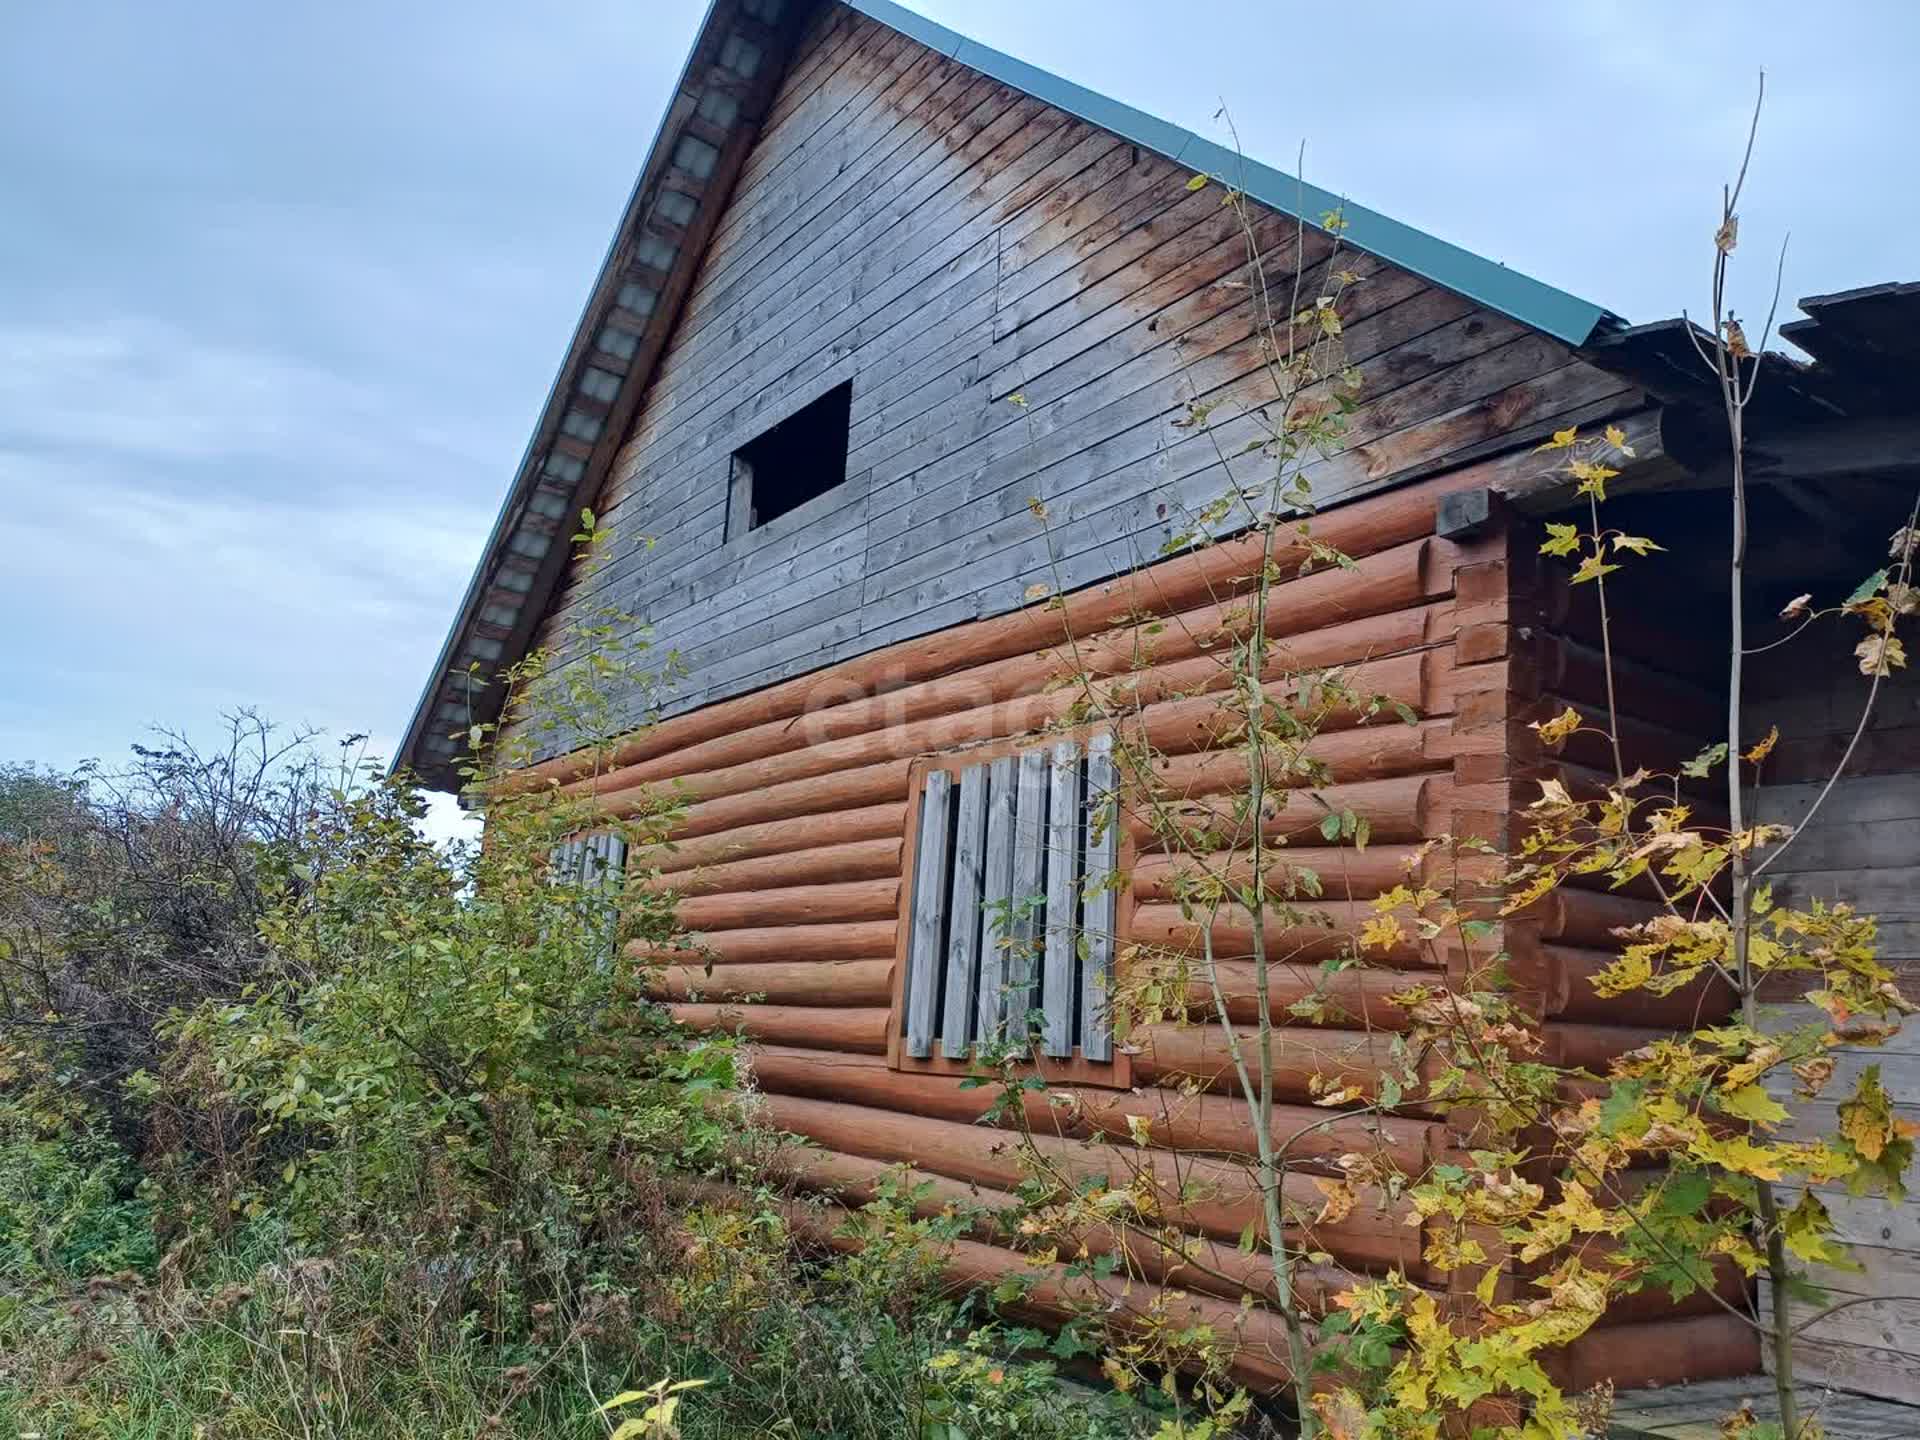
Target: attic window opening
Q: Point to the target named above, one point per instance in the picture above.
(800, 459)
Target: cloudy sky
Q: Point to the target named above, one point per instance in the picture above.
(282, 286)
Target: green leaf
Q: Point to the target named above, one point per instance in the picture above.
(1198, 182)
(1562, 539)
(1701, 766)
(1867, 588)
(1751, 1102)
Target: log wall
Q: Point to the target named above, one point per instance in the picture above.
(945, 243)
(791, 864)
(1666, 710)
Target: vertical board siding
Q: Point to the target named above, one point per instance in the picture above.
(924, 952)
(997, 896)
(943, 243)
(1058, 1000)
(963, 913)
(1861, 846)
(1029, 895)
(1103, 854)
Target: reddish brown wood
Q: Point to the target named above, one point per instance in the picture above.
(785, 837)
(1198, 1263)
(856, 860)
(1200, 1123)
(1660, 1352)
(859, 1031)
(794, 905)
(1214, 1198)
(863, 940)
(1340, 872)
(1192, 579)
(1307, 1063)
(809, 982)
(1322, 929)
(1304, 994)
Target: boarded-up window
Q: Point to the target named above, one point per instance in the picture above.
(597, 864)
(1012, 910)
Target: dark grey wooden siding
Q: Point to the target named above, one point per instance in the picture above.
(946, 243)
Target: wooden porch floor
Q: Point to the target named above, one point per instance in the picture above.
(1692, 1412)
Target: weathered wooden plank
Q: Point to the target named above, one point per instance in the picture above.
(1100, 903)
(1029, 882)
(1059, 998)
(936, 238)
(924, 952)
(996, 896)
(963, 913)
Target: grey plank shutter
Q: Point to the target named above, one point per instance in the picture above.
(1103, 857)
(929, 895)
(963, 913)
(1057, 998)
(996, 891)
(1029, 878)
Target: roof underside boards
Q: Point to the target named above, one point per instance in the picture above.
(712, 121)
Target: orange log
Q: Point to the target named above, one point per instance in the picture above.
(1177, 726)
(1194, 578)
(1342, 872)
(817, 1028)
(826, 864)
(1188, 1261)
(1331, 617)
(1348, 1060)
(1214, 1197)
(820, 794)
(807, 982)
(1588, 917)
(1173, 723)
(1325, 928)
(1372, 752)
(1704, 1002)
(1355, 998)
(1659, 1352)
(795, 905)
(784, 837)
(1400, 809)
(1052, 1293)
(862, 940)
(1189, 1123)
(1591, 1047)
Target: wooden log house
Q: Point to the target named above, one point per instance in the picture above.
(876, 289)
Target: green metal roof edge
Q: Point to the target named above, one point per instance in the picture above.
(1531, 302)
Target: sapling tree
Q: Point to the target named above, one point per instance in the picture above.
(1569, 1188)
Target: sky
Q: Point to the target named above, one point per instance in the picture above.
(282, 287)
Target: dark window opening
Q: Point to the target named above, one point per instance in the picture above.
(805, 455)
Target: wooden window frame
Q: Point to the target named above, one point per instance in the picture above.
(1114, 1074)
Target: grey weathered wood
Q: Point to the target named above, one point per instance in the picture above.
(937, 238)
(1029, 885)
(929, 897)
(963, 913)
(996, 892)
(1059, 996)
(1099, 905)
